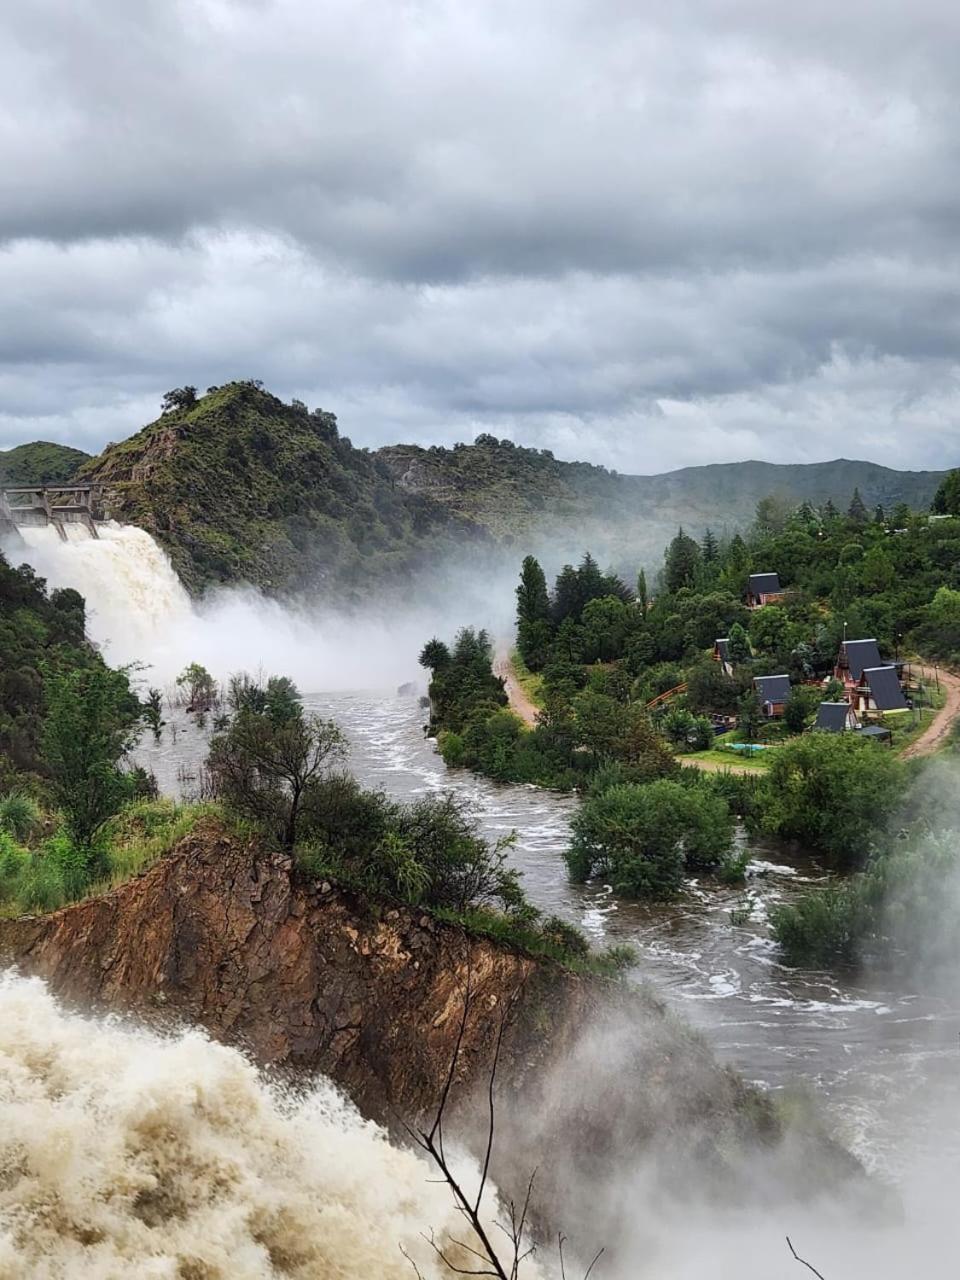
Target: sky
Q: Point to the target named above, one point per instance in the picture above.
(643, 235)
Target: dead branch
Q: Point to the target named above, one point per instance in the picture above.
(803, 1261)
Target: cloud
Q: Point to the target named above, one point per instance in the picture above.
(636, 236)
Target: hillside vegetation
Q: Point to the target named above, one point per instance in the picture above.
(40, 462)
(239, 486)
(527, 496)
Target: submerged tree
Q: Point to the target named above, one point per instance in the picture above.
(264, 764)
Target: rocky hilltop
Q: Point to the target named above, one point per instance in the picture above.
(240, 487)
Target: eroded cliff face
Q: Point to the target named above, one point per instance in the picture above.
(303, 974)
(597, 1087)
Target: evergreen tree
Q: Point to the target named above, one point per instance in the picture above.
(682, 563)
(879, 515)
(828, 511)
(857, 511)
(709, 547)
(533, 603)
(946, 501)
(566, 595)
(739, 647)
(643, 600)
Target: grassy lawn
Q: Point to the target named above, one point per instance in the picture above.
(530, 682)
(907, 726)
(715, 755)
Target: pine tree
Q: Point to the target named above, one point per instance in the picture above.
(682, 563)
(709, 547)
(533, 603)
(566, 595)
(857, 511)
(739, 645)
(946, 501)
(643, 600)
(879, 515)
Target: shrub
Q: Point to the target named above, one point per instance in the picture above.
(645, 836)
(19, 814)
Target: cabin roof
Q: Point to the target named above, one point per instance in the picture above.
(832, 717)
(764, 584)
(875, 731)
(772, 688)
(885, 688)
(723, 648)
(861, 654)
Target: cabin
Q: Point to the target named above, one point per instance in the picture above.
(853, 659)
(879, 689)
(773, 694)
(836, 717)
(721, 654)
(763, 588)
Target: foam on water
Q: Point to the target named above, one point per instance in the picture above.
(126, 1154)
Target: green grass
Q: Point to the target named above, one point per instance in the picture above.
(529, 681)
(758, 762)
(144, 832)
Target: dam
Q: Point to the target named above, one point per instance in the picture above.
(52, 506)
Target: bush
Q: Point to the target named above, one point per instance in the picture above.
(19, 814)
(645, 836)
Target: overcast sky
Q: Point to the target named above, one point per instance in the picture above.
(641, 234)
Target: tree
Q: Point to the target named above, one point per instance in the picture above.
(708, 689)
(434, 655)
(803, 701)
(946, 501)
(739, 647)
(178, 398)
(153, 712)
(682, 563)
(709, 547)
(644, 835)
(533, 602)
(605, 621)
(835, 793)
(566, 595)
(857, 511)
(264, 764)
(768, 629)
(642, 598)
(748, 716)
(200, 687)
(91, 723)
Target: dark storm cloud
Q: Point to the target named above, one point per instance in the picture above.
(647, 238)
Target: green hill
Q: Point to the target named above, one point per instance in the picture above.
(566, 506)
(41, 462)
(240, 487)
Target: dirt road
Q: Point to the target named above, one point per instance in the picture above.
(519, 702)
(934, 738)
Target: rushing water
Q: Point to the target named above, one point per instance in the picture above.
(882, 1059)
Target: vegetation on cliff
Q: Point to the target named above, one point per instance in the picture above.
(40, 462)
(240, 487)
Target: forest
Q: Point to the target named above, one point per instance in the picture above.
(666, 738)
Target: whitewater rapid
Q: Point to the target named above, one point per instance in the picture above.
(127, 1154)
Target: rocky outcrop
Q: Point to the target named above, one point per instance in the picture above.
(303, 974)
(594, 1077)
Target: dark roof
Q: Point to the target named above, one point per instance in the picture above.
(723, 648)
(832, 717)
(875, 731)
(885, 688)
(772, 688)
(861, 654)
(764, 584)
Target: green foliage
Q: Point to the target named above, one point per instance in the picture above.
(534, 625)
(40, 463)
(833, 793)
(264, 764)
(682, 563)
(946, 501)
(91, 722)
(643, 837)
(19, 814)
(199, 687)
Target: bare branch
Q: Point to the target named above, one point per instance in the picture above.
(803, 1261)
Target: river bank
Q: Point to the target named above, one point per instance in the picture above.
(873, 1054)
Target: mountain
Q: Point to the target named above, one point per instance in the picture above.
(240, 487)
(41, 462)
(564, 507)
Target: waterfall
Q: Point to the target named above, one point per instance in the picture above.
(126, 1153)
(135, 601)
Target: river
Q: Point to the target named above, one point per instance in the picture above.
(883, 1060)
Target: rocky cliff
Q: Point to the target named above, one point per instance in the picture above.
(594, 1078)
